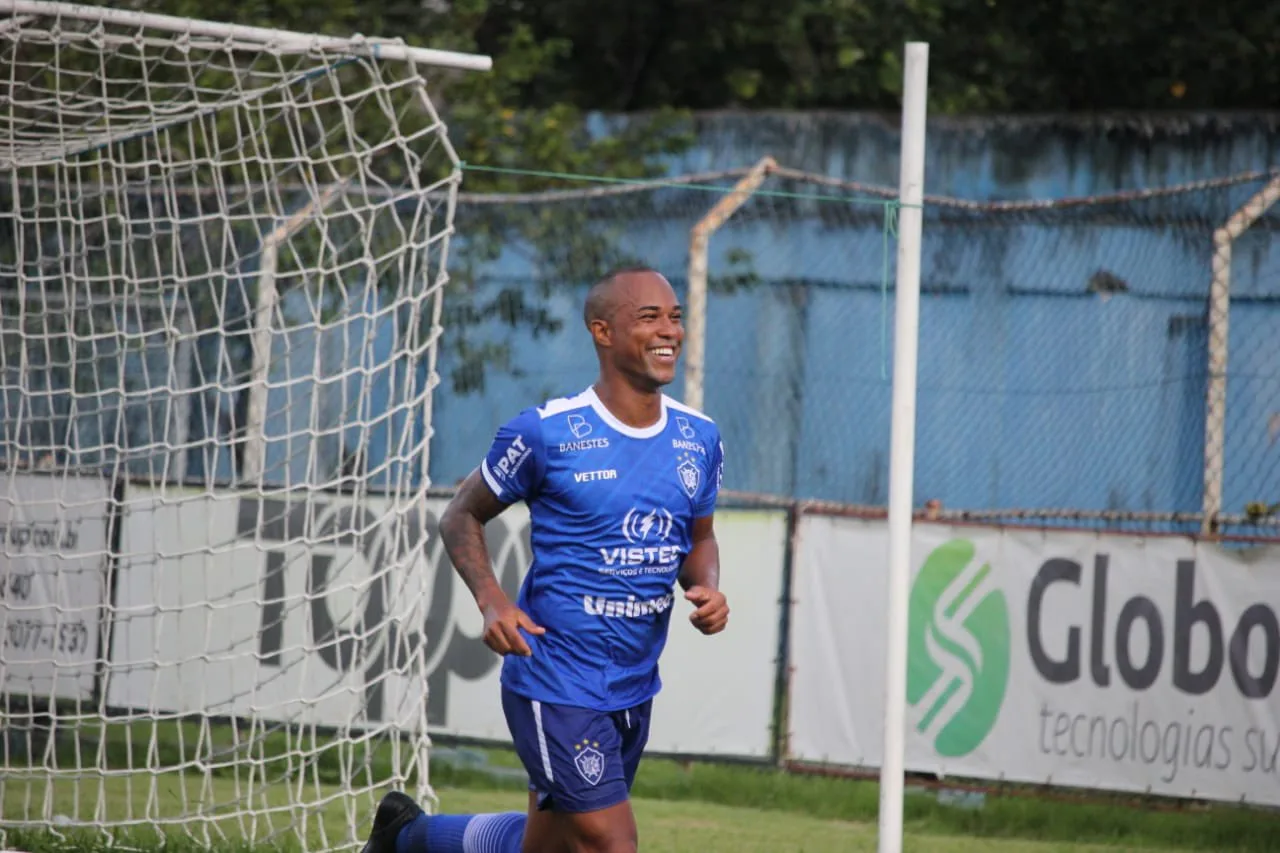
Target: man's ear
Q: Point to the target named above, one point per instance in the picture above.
(600, 332)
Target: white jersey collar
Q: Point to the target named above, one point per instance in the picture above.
(630, 431)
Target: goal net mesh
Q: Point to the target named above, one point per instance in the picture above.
(221, 264)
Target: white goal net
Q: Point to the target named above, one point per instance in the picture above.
(222, 251)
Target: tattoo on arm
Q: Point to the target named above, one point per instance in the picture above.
(462, 531)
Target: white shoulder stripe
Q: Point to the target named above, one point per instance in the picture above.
(688, 410)
(489, 479)
(561, 405)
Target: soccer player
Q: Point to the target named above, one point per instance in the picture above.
(621, 484)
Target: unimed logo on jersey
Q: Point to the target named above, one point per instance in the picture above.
(322, 533)
(958, 649)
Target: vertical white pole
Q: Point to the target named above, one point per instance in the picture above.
(255, 450)
(902, 446)
(255, 435)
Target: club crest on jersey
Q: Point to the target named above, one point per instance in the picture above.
(689, 474)
(589, 761)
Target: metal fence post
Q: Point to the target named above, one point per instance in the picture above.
(699, 239)
(1219, 316)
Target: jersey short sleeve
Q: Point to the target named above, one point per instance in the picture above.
(516, 460)
(705, 503)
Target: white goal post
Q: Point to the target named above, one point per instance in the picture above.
(222, 253)
(903, 438)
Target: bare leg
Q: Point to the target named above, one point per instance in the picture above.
(544, 832)
(610, 830)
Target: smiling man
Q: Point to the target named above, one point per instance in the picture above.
(621, 483)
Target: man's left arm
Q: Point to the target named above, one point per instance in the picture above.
(700, 578)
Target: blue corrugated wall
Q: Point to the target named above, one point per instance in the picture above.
(1035, 392)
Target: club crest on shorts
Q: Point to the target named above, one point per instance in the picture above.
(589, 761)
(689, 474)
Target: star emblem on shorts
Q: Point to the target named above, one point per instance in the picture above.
(589, 760)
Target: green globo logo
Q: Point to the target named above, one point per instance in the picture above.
(957, 649)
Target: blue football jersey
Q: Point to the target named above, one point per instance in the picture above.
(612, 510)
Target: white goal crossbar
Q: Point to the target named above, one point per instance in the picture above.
(284, 40)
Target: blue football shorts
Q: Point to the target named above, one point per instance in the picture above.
(578, 760)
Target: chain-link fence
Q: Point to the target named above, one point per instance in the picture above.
(1063, 345)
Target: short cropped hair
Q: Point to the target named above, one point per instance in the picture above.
(595, 302)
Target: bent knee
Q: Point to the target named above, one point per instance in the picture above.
(605, 845)
(611, 830)
(617, 837)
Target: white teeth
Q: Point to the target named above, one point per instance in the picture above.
(664, 351)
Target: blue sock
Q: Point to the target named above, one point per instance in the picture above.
(469, 833)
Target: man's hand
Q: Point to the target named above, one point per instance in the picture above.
(712, 612)
(502, 624)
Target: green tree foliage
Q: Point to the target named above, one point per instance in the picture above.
(489, 123)
(985, 55)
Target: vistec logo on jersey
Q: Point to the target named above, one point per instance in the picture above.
(643, 525)
(958, 649)
(646, 531)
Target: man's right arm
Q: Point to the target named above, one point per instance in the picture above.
(511, 471)
(462, 531)
(508, 473)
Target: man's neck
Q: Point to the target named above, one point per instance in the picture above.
(630, 405)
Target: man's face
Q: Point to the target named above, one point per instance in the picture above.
(646, 331)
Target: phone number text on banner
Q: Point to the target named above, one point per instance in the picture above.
(53, 555)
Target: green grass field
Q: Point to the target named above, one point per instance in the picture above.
(714, 808)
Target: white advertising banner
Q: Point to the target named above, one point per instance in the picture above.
(235, 605)
(718, 692)
(232, 605)
(1118, 662)
(53, 553)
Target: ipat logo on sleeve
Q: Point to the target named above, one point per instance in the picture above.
(517, 453)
